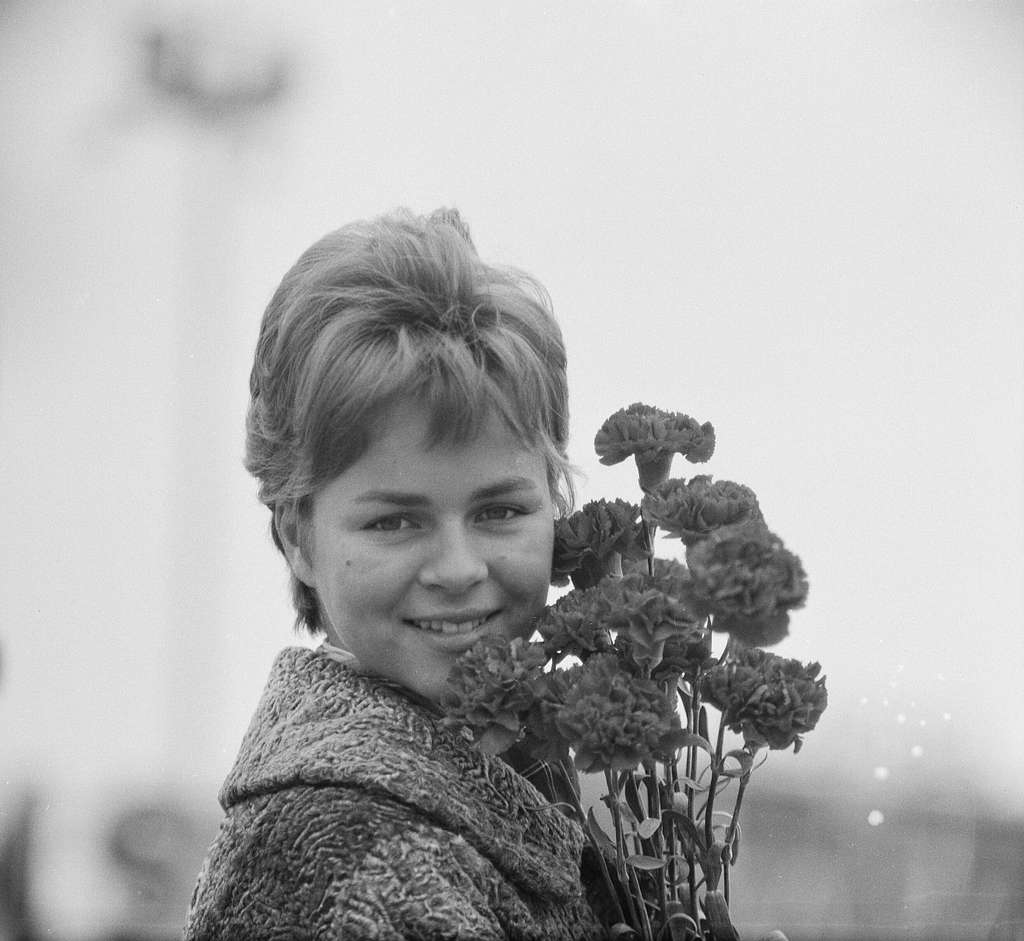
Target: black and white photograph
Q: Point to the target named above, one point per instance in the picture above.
(512, 470)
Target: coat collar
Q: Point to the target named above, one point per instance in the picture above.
(320, 723)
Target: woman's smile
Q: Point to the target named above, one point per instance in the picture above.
(451, 624)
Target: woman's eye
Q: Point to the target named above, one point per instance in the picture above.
(499, 513)
(390, 524)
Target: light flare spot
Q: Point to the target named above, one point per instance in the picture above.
(881, 773)
(876, 818)
(916, 751)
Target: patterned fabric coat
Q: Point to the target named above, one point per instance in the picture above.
(351, 815)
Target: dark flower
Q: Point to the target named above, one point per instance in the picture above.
(491, 687)
(652, 436)
(592, 541)
(683, 655)
(769, 699)
(669, 575)
(687, 649)
(614, 720)
(692, 510)
(574, 625)
(542, 739)
(639, 608)
(748, 581)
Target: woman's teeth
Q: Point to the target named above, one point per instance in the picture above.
(450, 627)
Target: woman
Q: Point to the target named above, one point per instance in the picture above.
(408, 427)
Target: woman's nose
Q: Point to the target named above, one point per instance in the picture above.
(454, 563)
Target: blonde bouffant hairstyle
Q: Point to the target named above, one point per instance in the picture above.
(394, 309)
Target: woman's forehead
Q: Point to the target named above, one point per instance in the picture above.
(440, 424)
(404, 463)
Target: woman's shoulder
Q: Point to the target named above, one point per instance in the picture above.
(303, 859)
(369, 865)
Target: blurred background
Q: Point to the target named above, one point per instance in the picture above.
(800, 221)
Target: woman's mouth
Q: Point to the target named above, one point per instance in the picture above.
(453, 625)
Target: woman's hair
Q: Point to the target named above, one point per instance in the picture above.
(398, 308)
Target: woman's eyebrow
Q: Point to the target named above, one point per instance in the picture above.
(401, 498)
(397, 497)
(506, 486)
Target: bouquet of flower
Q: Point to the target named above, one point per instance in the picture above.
(628, 665)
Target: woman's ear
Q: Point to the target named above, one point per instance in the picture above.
(292, 531)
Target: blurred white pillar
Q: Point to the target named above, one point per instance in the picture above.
(221, 93)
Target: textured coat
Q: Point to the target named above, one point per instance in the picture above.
(350, 814)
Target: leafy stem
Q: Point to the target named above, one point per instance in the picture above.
(716, 766)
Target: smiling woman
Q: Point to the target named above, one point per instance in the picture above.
(408, 428)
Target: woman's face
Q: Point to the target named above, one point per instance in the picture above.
(416, 553)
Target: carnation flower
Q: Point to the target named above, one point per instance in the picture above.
(592, 541)
(652, 437)
(491, 687)
(614, 720)
(769, 699)
(638, 608)
(748, 581)
(573, 625)
(669, 575)
(693, 510)
(542, 739)
(684, 654)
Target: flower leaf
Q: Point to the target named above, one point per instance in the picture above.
(692, 784)
(621, 807)
(697, 741)
(647, 863)
(597, 832)
(716, 911)
(689, 835)
(746, 763)
(632, 792)
(648, 827)
(680, 925)
(735, 844)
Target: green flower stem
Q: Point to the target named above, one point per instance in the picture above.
(716, 764)
(736, 809)
(671, 780)
(654, 811)
(731, 832)
(729, 645)
(620, 855)
(691, 774)
(645, 921)
(649, 532)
